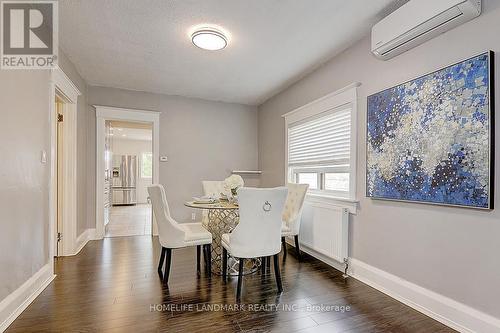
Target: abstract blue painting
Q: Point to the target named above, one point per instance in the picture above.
(430, 139)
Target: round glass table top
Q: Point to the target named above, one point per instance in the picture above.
(214, 205)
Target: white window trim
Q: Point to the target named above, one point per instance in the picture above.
(337, 99)
(140, 164)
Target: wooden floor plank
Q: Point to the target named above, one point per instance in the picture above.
(113, 286)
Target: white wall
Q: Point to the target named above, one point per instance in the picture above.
(135, 147)
(203, 140)
(451, 251)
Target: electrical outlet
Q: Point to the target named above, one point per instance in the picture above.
(193, 216)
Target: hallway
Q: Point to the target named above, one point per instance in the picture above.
(129, 221)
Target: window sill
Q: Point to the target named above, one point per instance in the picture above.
(332, 201)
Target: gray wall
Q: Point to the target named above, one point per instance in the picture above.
(452, 251)
(24, 190)
(24, 194)
(84, 221)
(203, 140)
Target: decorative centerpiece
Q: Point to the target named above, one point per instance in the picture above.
(231, 185)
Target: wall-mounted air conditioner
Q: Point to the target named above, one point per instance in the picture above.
(418, 21)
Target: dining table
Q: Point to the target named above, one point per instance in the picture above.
(223, 217)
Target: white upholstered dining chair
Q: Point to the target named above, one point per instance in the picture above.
(258, 231)
(174, 235)
(292, 214)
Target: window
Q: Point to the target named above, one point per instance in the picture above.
(310, 178)
(146, 165)
(321, 146)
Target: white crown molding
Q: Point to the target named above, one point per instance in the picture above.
(456, 315)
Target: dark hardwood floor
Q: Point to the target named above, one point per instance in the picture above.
(113, 286)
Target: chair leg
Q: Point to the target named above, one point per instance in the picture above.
(167, 265)
(240, 279)
(209, 260)
(224, 264)
(283, 245)
(262, 265)
(268, 263)
(198, 255)
(205, 258)
(277, 273)
(297, 248)
(162, 258)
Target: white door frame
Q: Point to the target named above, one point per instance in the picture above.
(61, 85)
(104, 113)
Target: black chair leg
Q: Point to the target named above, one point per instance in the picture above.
(162, 258)
(224, 264)
(167, 265)
(209, 260)
(283, 245)
(277, 273)
(268, 263)
(205, 258)
(240, 279)
(263, 265)
(198, 257)
(297, 248)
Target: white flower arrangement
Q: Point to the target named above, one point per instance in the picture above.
(233, 183)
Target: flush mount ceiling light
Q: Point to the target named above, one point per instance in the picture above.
(209, 39)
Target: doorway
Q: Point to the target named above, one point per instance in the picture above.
(129, 162)
(122, 208)
(65, 175)
(63, 165)
(59, 118)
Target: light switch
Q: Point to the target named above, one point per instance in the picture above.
(43, 157)
(163, 158)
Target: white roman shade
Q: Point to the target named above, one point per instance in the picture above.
(324, 140)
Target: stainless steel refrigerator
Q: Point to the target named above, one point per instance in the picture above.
(124, 190)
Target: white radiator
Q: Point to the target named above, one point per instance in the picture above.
(325, 229)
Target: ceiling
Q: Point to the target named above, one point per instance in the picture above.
(145, 45)
(131, 131)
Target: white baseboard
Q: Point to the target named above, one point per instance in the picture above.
(83, 239)
(454, 314)
(15, 303)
